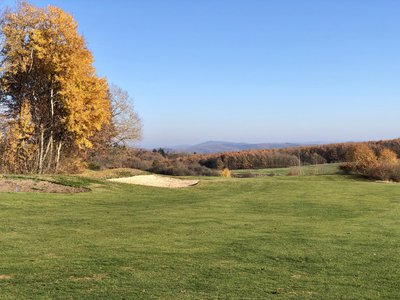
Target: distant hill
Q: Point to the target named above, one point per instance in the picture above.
(218, 146)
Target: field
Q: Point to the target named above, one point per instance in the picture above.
(300, 237)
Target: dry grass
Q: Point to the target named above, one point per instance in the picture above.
(111, 173)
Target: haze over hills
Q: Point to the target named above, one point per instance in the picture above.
(220, 146)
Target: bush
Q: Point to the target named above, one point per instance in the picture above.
(294, 171)
(364, 162)
(347, 167)
(387, 171)
(226, 173)
(158, 161)
(178, 168)
(94, 166)
(360, 158)
(387, 155)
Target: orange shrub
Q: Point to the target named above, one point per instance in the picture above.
(226, 173)
(361, 157)
(388, 156)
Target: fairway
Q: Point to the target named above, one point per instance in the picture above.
(305, 237)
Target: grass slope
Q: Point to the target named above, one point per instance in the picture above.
(311, 237)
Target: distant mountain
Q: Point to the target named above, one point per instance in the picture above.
(217, 146)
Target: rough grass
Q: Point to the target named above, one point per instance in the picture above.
(111, 173)
(305, 237)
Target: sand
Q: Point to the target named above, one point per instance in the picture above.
(156, 181)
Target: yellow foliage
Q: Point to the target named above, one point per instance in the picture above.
(388, 156)
(19, 152)
(361, 156)
(226, 173)
(42, 48)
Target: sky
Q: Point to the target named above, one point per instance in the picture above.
(249, 70)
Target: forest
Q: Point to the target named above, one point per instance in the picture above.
(275, 158)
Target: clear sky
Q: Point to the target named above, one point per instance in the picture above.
(250, 70)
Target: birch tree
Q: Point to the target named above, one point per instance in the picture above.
(44, 61)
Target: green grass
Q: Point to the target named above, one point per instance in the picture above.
(305, 237)
(325, 169)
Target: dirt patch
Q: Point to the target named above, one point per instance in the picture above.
(157, 181)
(5, 277)
(35, 186)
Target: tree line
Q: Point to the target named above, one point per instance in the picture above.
(276, 158)
(172, 163)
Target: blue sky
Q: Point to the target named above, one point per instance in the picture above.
(250, 71)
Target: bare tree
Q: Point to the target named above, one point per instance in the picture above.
(126, 122)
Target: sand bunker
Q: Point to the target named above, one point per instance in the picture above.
(157, 181)
(34, 186)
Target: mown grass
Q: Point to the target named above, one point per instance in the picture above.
(305, 237)
(324, 169)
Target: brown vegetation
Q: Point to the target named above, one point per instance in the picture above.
(155, 161)
(226, 173)
(162, 162)
(361, 157)
(289, 157)
(363, 161)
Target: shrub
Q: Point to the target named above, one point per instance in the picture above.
(364, 162)
(157, 161)
(294, 171)
(388, 156)
(93, 166)
(347, 167)
(360, 157)
(226, 173)
(387, 171)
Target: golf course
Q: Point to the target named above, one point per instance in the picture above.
(238, 150)
(326, 236)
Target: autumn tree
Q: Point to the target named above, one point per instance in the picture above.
(45, 62)
(388, 156)
(361, 156)
(19, 147)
